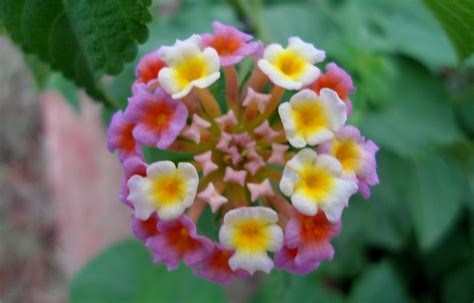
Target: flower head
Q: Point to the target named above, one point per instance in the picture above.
(231, 44)
(252, 161)
(158, 119)
(215, 267)
(315, 182)
(287, 259)
(310, 119)
(120, 137)
(291, 67)
(188, 67)
(166, 189)
(132, 166)
(147, 71)
(144, 229)
(251, 231)
(178, 240)
(339, 81)
(356, 155)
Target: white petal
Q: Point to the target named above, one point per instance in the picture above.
(335, 108)
(160, 168)
(296, 140)
(309, 75)
(307, 50)
(334, 204)
(288, 181)
(276, 238)
(178, 94)
(277, 77)
(212, 59)
(271, 52)
(330, 163)
(225, 236)
(257, 212)
(304, 204)
(320, 136)
(170, 212)
(303, 96)
(207, 81)
(304, 157)
(168, 81)
(251, 262)
(333, 211)
(181, 49)
(140, 196)
(286, 116)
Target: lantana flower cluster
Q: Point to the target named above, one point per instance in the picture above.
(275, 161)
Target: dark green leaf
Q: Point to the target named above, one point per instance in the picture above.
(286, 288)
(418, 114)
(436, 191)
(459, 285)
(379, 283)
(272, 288)
(82, 39)
(411, 23)
(126, 273)
(387, 219)
(457, 18)
(307, 290)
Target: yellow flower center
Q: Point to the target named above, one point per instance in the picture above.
(168, 190)
(309, 117)
(290, 64)
(191, 68)
(348, 153)
(251, 235)
(315, 182)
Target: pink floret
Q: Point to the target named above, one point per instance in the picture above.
(159, 119)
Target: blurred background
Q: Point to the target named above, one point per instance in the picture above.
(63, 232)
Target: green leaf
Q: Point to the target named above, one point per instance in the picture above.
(272, 288)
(436, 189)
(418, 114)
(125, 273)
(459, 285)
(386, 223)
(307, 21)
(413, 31)
(82, 39)
(379, 283)
(286, 288)
(307, 290)
(457, 19)
(455, 249)
(41, 72)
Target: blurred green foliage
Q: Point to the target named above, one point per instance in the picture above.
(413, 240)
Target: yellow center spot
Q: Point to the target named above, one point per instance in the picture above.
(168, 190)
(191, 68)
(309, 117)
(315, 182)
(290, 64)
(162, 120)
(348, 153)
(251, 235)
